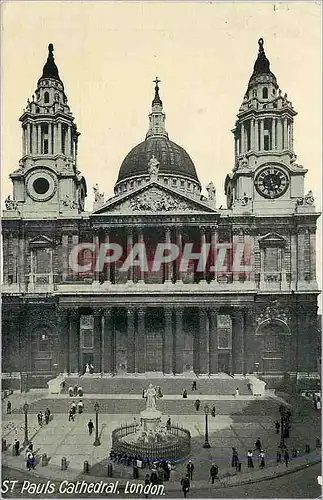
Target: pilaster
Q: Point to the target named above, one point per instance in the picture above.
(168, 340)
(108, 342)
(203, 343)
(213, 339)
(130, 341)
(141, 342)
(238, 342)
(179, 340)
(97, 339)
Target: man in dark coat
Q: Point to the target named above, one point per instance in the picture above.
(190, 469)
(185, 482)
(154, 476)
(90, 426)
(235, 458)
(17, 447)
(214, 473)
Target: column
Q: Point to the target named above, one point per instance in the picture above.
(283, 267)
(273, 133)
(73, 341)
(249, 254)
(23, 141)
(179, 239)
(250, 349)
(130, 340)
(21, 261)
(129, 247)
(300, 253)
(203, 253)
(167, 265)
(97, 338)
(179, 340)
(64, 257)
(203, 342)
(141, 242)
(285, 137)
(252, 134)
(108, 342)
(243, 145)
(28, 138)
(68, 141)
(5, 256)
(256, 136)
(141, 342)
(291, 136)
(34, 138)
(39, 139)
(107, 268)
(50, 151)
(96, 243)
(238, 342)
(293, 256)
(168, 340)
(279, 134)
(15, 241)
(59, 138)
(261, 134)
(62, 329)
(214, 251)
(262, 264)
(312, 231)
(235, 240)
(213, 341)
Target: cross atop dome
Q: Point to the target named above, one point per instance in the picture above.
(157, 99)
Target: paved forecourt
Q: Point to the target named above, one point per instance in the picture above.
(238, 422)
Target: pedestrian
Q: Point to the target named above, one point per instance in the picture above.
(185, 394)
(235, 457)
(30, 460)
(91, 369)
(250, 459)
(40, 418)
(318, 404)
(73, 406)
(197, 404)
(70, 391)
(147, 481)
(154, 476)
(71, 415)
(238, 466)
(288, 415)
(277, 426)
(75, 390)
(286, 430)
(278, 456)
(9, 406)
(143, 393)
(258, 446)
(261, 459)
(194, 388)
(185, 482)
(237, 392)
(17, 447)
(80, 406)
(190, 469)
(213, 410)
(135, 470)
(80, 391)
(214, 473)
(168, 423)
(286, 457)
(47, 415)
(90, 426)
(31, 446)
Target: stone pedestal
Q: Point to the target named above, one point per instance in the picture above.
(257, 386)
(150, 419)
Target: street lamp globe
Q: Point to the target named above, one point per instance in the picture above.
(26, 407)
(206, 409)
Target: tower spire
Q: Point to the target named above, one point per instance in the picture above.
(157, 116)
(50, 69)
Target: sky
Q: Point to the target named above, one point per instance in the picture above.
(109, 53)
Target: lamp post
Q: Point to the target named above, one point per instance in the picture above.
(257, 368)
(25, 408)
(97, 439)
(206, 411)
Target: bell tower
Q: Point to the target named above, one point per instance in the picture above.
(265, 177)
(48, 182)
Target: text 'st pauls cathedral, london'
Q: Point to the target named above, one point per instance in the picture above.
(158, 278)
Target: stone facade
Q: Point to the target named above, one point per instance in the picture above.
(257, 315)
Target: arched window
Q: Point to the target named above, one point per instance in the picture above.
(265, 93)
(254, 93)
(37, 110)
(46, 97)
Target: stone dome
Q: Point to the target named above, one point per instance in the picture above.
(173, 159)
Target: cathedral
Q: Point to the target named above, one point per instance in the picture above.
(158, 278)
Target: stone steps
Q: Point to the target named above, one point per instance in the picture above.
(92, 384)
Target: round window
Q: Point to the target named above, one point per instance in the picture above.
(41, 185)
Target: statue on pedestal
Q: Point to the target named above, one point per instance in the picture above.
(153, 166)
(150, 396)
(211, 191)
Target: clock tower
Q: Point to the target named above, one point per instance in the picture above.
(265, 178)
(48, 182)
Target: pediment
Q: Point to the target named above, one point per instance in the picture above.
(41, 240)
(272, 239)
(154, 198)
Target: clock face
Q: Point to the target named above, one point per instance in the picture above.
(271, 182)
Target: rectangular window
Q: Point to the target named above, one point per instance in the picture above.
(86, 328)
(87, 338)
(272, 259)
(43, 261)
(45, 146)
(224, 324)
